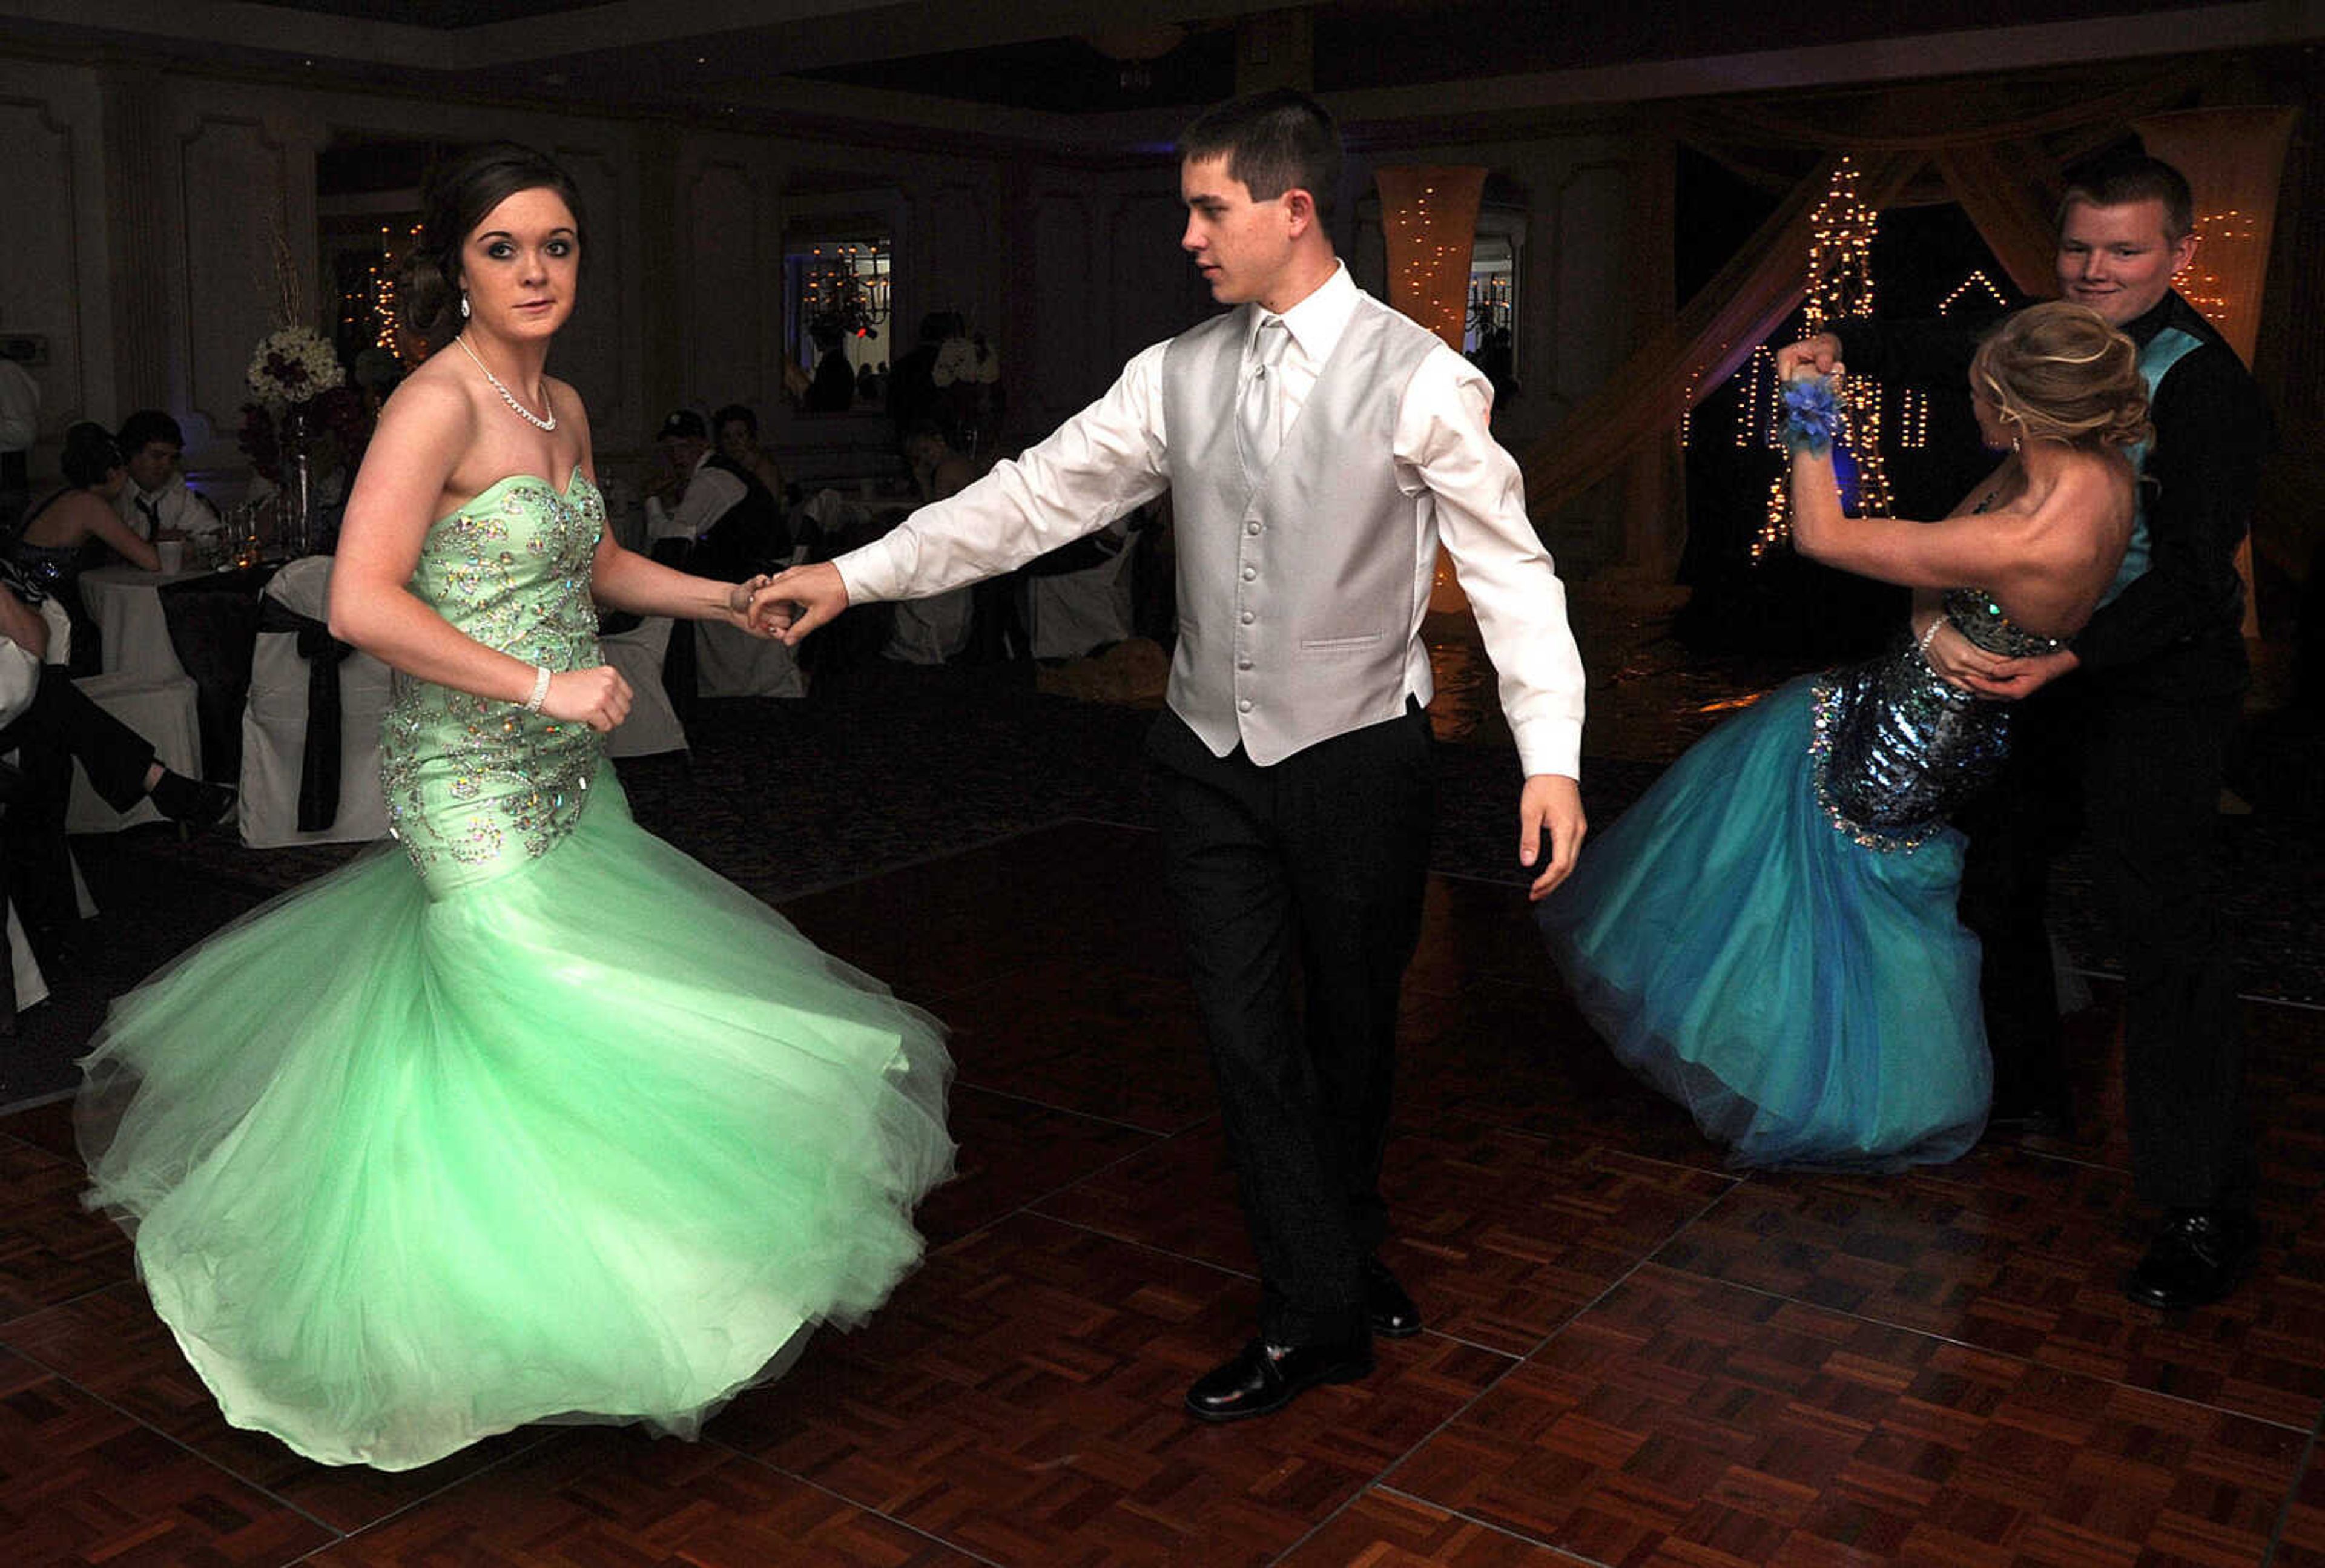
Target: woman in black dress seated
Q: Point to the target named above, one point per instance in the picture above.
(49, 551)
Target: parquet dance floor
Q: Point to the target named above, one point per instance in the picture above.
(1633, 1356)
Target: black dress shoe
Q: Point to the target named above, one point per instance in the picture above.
(2196, 1256)
(1387, 1308)
(190, 802)
(1262, 1378)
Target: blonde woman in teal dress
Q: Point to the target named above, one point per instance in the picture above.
(527, 1117)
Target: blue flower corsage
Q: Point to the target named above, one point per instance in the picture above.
(1812, 414)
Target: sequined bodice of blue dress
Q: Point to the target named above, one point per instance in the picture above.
(562, 1126)
(1898, 747)
(1768, 934)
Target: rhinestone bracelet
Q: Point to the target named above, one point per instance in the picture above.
(539, 689)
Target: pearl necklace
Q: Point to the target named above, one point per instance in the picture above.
(506, 395)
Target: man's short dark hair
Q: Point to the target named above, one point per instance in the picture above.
(685, 423)
(2119, 178)
(1273, 142)
(735, 413)
(148, 425)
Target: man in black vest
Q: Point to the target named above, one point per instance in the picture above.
(1316, 447)
(737, 524)
(2159, 678)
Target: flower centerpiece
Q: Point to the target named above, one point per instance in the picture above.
(300, 396)
(968, 373)
(293, 366)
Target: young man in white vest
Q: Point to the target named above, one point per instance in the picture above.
(1318, 446)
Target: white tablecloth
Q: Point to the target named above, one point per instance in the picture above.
(126, 606)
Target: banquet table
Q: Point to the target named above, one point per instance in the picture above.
(200, 624)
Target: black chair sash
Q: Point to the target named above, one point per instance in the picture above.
(213, 621)
(319, 764)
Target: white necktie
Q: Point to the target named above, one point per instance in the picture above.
(1257, 418)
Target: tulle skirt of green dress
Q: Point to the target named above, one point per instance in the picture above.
(602, 1139)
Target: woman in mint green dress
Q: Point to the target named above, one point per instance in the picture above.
(528, 1116)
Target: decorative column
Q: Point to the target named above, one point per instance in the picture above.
(137, 194)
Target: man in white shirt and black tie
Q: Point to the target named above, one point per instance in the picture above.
(155, 503)
(1318, 446)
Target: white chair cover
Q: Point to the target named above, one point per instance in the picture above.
(24, 970)
(732, 663)
(274, 726)
(162, 709)
(652, 725)
(1076, 612)
(930, 631)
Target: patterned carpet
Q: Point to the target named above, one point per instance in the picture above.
(788, 798)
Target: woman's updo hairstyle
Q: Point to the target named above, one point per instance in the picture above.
(458, 195)
(2059, 372)
(91, 454)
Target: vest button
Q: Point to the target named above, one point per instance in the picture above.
(1249, 572)
(1252, 527)
(1248, 618)
(1244, 706)
(1243, 663)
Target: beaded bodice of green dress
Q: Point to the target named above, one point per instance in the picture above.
(477, 788)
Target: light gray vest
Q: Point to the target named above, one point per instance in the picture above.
(1295, 586)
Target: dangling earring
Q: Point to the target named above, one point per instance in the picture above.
(2016, 445)
(464, 304)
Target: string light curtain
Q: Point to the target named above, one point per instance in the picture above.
(2233, 159)
(1429, 217)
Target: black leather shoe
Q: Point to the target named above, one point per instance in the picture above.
(1263, 1378)
(1387, 1308)
(192, 803)
(2196, 1256)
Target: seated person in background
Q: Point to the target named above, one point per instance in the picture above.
(938, 470)
(735, 522)
(20, 427)
(913, 396)
(833, 390)
(48, 550)
(738, 443)
(49, 724)
(155, 504)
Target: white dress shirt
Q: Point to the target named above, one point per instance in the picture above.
(710, 494)
(173, 506)
(20, 408)
(1116, 455)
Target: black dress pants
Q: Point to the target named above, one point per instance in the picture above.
(1305, 877)
(61, 726)
(2152, 741)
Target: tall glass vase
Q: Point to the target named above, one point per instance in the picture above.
(294, 535)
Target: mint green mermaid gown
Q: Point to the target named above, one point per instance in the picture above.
(561, 1127)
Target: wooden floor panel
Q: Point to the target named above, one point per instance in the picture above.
(83, 1482)
(1681, 1417)
(2024, 1254)
(1020, 1398)
(1635, 1356)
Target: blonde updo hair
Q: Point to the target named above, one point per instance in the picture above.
(2059, 372)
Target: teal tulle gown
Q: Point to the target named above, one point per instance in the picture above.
(1768, 935)
(529, 1118)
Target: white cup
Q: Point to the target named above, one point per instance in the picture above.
(172, 552)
